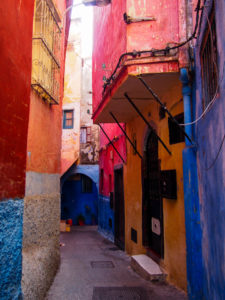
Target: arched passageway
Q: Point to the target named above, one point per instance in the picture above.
(79, 200)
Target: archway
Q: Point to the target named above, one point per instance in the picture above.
(79, 200)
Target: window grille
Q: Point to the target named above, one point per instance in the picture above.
(85, 135)
(46, 52)
(209, 65)
(67, 119)
(175, 134)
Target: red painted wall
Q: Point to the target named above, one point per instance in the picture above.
(15, 64)
(152, 34)
(113, 37)
(109, 42)
(108, 161)
(108, 158)
(45, 124)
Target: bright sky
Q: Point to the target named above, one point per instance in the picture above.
(86, 15)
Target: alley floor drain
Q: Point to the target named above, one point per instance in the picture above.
(119, 293)
(102, 264)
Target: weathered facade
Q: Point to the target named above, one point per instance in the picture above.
(109, 162)
(30, 151)
(208, 103)
(42, 195)
(152, 179)
(80, 138)
(72, 99)
(16, 41)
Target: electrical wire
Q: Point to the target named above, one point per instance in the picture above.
(209, 106)
(154, 51)
(217, 155)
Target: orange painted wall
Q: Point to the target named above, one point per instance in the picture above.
(174, 261)
(72, 97)
(45, 123)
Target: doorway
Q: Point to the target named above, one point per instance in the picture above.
(119, 208)
(79, 200)
(152, 206)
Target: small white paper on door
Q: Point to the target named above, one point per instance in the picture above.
(156, 226)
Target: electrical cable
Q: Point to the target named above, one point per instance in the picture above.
(217, 155)
(209, 106)
(154, 51)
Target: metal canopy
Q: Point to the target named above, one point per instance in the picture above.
(127, 137)
(147, 123)
(118, 105)
(164, 107)
(111, 143)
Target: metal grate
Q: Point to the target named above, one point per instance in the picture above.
(46, 52)
(102, 265)
(209, 61)
(115, 293)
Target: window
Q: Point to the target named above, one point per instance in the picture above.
(85, 135)
(209, 61)
(175, 133)
(67, 119)
(46, 51)
(86, 184)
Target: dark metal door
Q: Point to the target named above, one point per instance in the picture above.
(119, 209)
(152, 201)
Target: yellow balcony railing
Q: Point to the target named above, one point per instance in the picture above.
(46, 53)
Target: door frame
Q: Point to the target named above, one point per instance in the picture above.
(118, 212)
(145, 229)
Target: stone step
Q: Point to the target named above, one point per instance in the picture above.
(147, 268)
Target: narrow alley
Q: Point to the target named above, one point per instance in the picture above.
(112, 150)
(94, 268)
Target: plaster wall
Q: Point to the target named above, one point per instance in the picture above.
(16, 41)
(40, 233)
(109, 43)
(167, 28)
(211, 165)
(174, 261)
(89, 152)
(42, 201)
(152, 34)
(107, 161)
(72, 97)
(11, 225)
(76, 202)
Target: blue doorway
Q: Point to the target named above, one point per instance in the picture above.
(79, 200)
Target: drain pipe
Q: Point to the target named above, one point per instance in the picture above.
(186, 92)
(191, 196)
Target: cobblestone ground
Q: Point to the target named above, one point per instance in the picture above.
(90, 262)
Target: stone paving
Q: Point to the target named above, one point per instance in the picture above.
(91, 263)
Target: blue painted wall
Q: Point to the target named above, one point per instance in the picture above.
(11, 229)
(191, 196)
(74, 202)
(91, 171)
(210, 132)
(105, 214)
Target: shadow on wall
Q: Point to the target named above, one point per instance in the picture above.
(79, 200)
